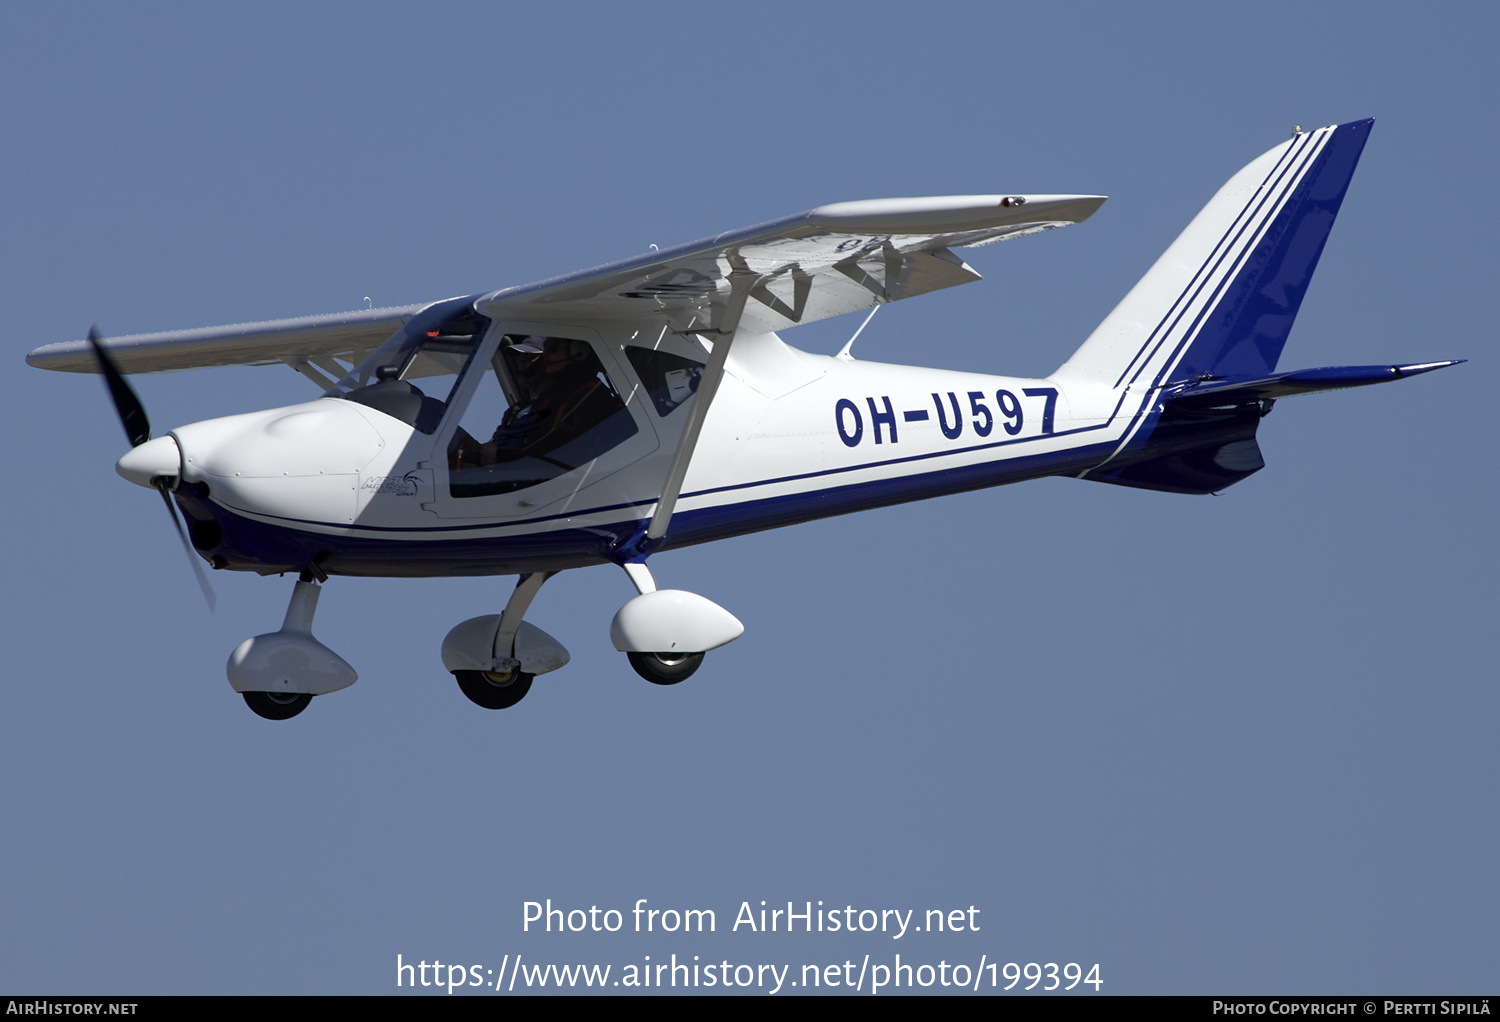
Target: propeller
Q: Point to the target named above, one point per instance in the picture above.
(138, 430)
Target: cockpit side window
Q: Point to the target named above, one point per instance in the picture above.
(413, 376)
(544, 407)
(670, 379)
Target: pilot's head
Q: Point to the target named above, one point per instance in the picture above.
(559, 355)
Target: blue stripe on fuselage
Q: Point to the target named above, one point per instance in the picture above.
(254, 545)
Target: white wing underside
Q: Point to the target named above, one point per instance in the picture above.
(832, 260)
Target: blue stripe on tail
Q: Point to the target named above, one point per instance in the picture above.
(1244, 335)
(1193, 446)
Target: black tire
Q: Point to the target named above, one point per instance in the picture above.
(665, 668)
(277, 705)
(483, 688)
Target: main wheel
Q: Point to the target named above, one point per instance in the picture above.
(277, 705)
(665, 668)
(494, 691)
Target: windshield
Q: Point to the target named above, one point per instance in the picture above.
(413, 375)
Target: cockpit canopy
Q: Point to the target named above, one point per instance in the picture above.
(413, 376)
(540, 406)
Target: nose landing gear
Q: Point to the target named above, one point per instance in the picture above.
(278, 673)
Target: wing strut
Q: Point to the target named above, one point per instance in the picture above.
(741, 282)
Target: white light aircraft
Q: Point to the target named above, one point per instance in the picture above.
(609, 414)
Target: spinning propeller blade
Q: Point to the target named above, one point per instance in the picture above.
(132, 412)
(138, 430)
(187, 548)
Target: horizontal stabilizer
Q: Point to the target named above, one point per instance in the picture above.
(1223, 393)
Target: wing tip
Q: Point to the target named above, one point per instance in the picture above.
(947, 214)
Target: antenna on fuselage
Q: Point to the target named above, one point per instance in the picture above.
(844, 351)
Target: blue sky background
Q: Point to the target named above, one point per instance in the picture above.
(1216, 745)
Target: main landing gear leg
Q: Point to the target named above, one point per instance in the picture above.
(658, 668)
(505, 684)
(665, 632)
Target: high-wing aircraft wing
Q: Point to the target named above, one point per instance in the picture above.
(830, 260)
(348, 336)
(825, 262)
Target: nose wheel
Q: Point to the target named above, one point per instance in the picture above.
(279, 672)
(665, 668)
(494, 690)
(277, 705)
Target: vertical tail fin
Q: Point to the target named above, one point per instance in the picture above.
(1218, 305)
(1221, 300)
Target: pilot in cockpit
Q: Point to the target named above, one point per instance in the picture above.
(561, 397)
(563, 412)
